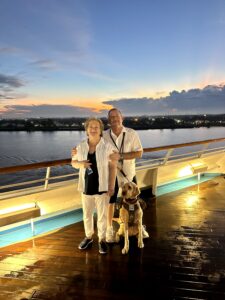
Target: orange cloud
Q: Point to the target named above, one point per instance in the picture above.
(98, 107)
(94, 104)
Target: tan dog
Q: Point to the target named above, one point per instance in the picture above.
(130, 216)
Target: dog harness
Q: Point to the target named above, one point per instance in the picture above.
(131, 207)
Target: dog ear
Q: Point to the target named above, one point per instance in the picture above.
(137, 190)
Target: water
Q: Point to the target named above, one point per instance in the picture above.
(20, 147)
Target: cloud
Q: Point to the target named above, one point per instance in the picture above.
(9, 50)
(48, 111)
(5, 97)
(210, 99)
(45, 64)
(96, 75)
(8, 86)
(10, 81)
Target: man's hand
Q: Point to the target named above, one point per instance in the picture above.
(114, 156)
(81, 164)
(73, 151)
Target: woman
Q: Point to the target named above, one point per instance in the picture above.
(96, 181)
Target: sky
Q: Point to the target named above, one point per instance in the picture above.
(70, 58)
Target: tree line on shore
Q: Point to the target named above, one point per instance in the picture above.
(135, 122)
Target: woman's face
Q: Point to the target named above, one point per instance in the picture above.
(94, 129)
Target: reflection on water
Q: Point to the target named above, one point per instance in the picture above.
(19, 148)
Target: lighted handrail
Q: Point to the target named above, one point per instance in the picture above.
(67, 161)
(21, 183)
(39, 165)
(183, 145)
(149, 163)
(36, 181)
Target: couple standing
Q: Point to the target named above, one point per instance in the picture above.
(100, 159)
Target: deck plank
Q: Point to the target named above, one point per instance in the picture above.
(184, 258)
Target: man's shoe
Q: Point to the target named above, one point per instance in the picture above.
(85, 243)
(144, 232)
(102, 247)
(110, 235)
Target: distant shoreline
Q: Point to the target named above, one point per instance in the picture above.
(137, 123)
(82, 129)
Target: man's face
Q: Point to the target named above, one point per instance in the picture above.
(115, 119)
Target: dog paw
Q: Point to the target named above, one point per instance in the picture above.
(141, 245)
(124, 251)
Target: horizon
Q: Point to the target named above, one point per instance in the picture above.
(79, 58)
(105, 117)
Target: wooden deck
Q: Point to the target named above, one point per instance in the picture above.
(183, 259)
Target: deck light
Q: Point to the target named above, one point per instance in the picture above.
(17, 208)
(198, 168)
(19, 213)
(186, 171)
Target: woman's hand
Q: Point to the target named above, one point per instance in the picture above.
(110, 192)
(85, 164)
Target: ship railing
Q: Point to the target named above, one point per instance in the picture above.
(167, 156)
(159, 161)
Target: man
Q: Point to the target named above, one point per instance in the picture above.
(127, 148)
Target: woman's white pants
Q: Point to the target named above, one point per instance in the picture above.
(100, 203)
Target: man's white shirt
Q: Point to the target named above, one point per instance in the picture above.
(130, 142)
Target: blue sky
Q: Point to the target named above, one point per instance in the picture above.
(63, 58)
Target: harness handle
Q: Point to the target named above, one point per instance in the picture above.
(122, 172)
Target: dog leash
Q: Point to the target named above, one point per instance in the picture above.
(122, 143)
(122, 172)
(120, 151)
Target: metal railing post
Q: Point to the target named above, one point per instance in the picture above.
(47, 177)
(167, 156)
(205, 146)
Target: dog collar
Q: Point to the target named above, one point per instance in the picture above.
(131, 201)
(130, 207)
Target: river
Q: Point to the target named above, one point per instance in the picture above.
(21, 147)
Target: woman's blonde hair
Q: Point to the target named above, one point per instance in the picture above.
(87, 122)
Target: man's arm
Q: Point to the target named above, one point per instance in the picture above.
(136, 148)
(112, 176)
(131, 155)
(80, 164)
